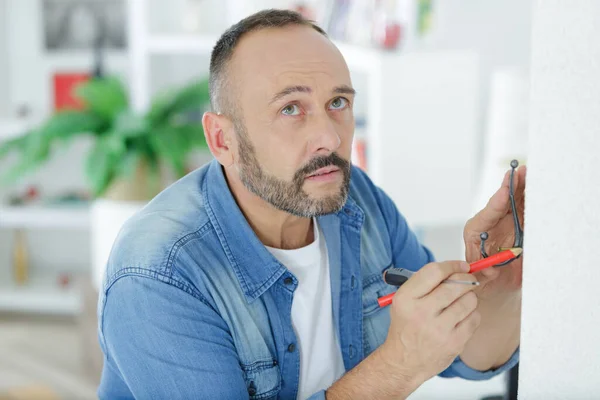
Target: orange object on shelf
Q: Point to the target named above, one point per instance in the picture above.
(64, 85)
(20, 258)
(64, 280)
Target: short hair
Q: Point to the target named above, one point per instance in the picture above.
(225, 46)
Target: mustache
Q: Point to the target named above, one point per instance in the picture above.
(321, 162)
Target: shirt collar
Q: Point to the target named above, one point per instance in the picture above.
(254, 266)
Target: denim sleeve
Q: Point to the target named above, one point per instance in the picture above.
(408, 252)
(167, 343)
(459, 369)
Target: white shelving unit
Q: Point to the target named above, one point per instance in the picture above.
(42, 292)
(38, 217)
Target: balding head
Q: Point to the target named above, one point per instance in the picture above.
(221, 98)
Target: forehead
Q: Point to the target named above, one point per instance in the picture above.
(268, 60)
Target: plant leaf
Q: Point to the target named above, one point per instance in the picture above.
(104, 162)
(115, 143)
(35, 147)
(67, 124)
(16, 144)
(175, 143)
(105, 97)
(194, 134)
(129, 164)
(129, 124)
(194, 96)
(98, 168)
(34, 150)
(169, 144)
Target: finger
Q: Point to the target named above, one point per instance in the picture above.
(506, 179)
(447, 293)
(496, 208)
(431, 275)
(459, 310)
(466, 328)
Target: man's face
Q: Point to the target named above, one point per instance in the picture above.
(293, 119)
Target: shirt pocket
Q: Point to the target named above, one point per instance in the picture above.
(373, 288)
(376, 320)
(263, 379)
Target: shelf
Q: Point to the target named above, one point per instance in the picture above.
(182, 44)
(359, 57)
(40, 295)
(115, 61)
(11, 129)
(36, 217)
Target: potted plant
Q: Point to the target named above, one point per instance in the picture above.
(128, 147)
(131, 152)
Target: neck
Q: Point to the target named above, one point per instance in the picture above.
(274, 228)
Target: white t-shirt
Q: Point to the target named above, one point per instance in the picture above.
(321, 361)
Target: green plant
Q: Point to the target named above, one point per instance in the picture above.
(122, 138)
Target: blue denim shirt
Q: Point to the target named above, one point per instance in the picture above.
(194, 306)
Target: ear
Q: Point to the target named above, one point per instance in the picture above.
(218, 131)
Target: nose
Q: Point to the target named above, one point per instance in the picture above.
(325, 138)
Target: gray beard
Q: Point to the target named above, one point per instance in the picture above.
(289, 196)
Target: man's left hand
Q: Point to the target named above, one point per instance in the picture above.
(496, 219)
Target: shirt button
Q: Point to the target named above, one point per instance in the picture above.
(275, 363)
(291, 347)
(351, 351)
(353, 283)
(288, 281)
(251, 389)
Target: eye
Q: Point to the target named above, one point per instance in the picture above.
(291, 109)
(339, 103)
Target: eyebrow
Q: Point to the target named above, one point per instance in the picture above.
(342, 89)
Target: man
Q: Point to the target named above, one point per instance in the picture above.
(258, 275)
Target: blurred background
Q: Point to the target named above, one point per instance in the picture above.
(100, 107)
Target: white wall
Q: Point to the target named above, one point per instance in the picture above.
(560, 330)
(498, 30)
(3, 61)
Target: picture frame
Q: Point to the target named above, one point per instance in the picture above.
(84, 24)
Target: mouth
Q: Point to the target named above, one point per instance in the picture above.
(324, 174)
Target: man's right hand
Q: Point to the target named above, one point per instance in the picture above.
(431, 321)
(430, 324)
